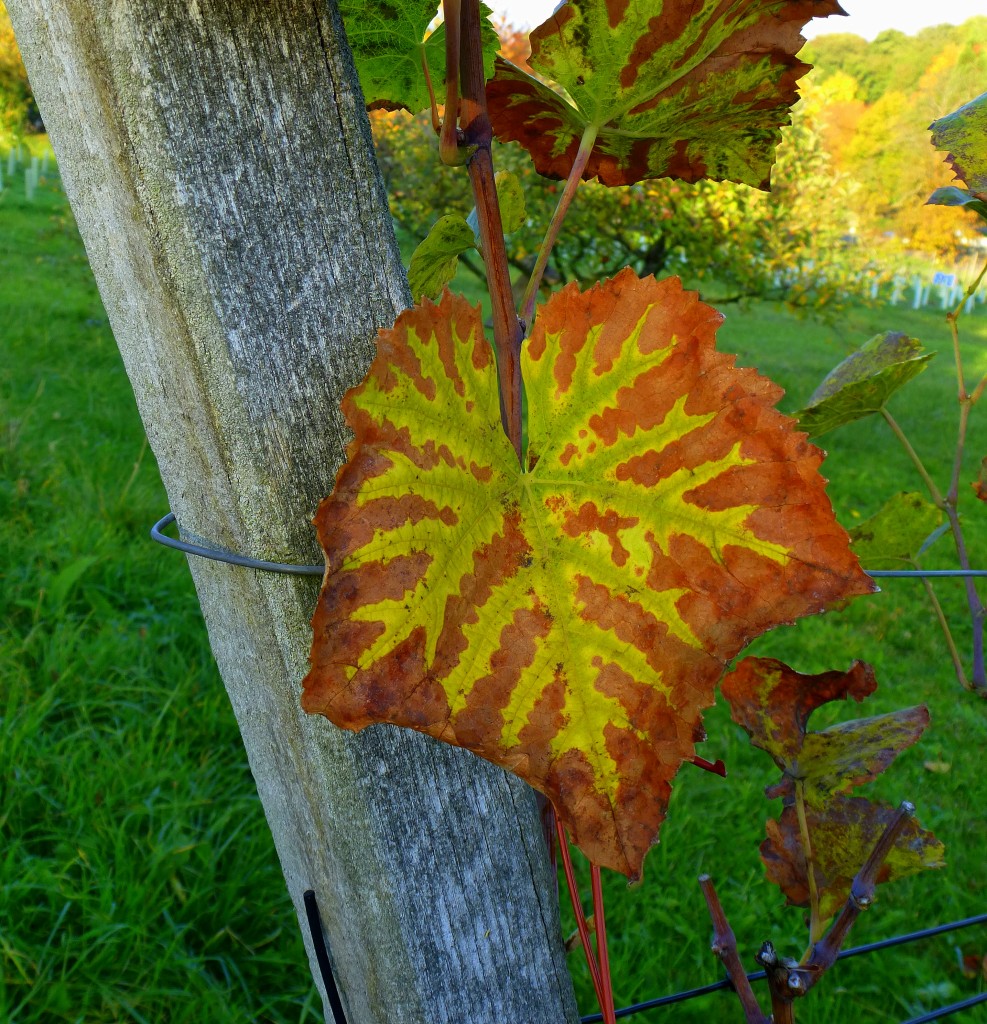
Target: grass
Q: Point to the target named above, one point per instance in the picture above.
(138, 881)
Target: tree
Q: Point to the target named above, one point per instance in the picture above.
(732, 241)
(218, 163)
(17, 106)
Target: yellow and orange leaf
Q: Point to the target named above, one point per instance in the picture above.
(684, 89)
(568, 620)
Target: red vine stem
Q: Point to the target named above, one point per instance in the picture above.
(530, 297)
(477, 136)
(577, 908)
(600, 926)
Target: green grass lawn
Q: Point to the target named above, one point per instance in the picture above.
(138, 881)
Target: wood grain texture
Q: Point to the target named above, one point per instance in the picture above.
(219, 164)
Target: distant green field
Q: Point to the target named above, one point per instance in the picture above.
(138, 881)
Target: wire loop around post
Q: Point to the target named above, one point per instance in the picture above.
(219, 555)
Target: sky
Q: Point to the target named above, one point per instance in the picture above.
(866, 17)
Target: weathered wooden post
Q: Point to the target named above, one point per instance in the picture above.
(218, 161)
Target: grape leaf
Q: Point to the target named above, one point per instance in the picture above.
(897, 532)
(389, 45)
(964, 134)
(843, 835)
(772, 704)
(980, 484)
(570, 620)
(510, 199)
(864, 382)
(950, 195)
(434, 263)
(436, 259)
(685, 89)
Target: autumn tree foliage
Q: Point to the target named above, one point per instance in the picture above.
(18, 111)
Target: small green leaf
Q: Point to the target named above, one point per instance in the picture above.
(510, 197)
(950, 195)
(964, 134)
(897, 532)
(389, 45)
(434, 262)
(863, 382)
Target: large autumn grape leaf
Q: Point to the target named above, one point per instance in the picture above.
(685, 89)
(390, 50)
(569, 621)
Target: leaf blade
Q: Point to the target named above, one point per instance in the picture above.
(436, 259)
(864, 382)
(671, 91)
(964, 134)
(544, 622)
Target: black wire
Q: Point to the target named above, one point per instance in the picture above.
(947, 1010)
(218, 555)
(322, 955)
(871, 947)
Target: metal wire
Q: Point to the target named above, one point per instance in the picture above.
(322, 956)
(871, 947)
(219, 555)
(946, 1011)
(925, 573)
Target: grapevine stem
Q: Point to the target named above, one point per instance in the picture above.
(948, 634)
(577, 908)
(449, 150)
(600, 926)
(810, 868)
(530, 297)
(725, 947)
(477, 136)
(913, 455)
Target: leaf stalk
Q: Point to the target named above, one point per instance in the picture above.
(530, 297)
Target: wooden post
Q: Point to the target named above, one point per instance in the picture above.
(218, 161)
